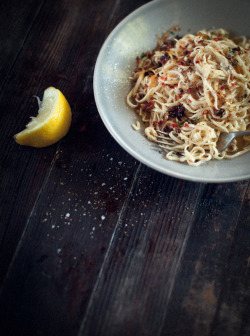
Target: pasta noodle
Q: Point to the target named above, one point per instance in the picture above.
(193, 88)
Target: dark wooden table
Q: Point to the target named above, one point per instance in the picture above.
(92, 242)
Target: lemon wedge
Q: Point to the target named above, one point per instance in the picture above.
(51, 124)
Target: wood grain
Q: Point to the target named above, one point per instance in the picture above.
(53, 53)
(17, 18)
(171, 287)
(92, 242)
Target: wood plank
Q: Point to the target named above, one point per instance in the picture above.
(140, 270)
(162, 276)
(16, 21)
(39, 65)
(68, 235)
(103, 243)
(232, 313)
(203, 275)
(87, 159)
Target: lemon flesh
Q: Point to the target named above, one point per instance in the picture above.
(51, 124)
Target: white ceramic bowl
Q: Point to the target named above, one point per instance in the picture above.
(116, 62)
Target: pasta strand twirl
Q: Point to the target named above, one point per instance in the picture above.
(194, 87)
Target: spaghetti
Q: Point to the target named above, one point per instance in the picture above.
(193, 88)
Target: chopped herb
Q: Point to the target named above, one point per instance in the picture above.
(231, 53)
(195, 121)
(180, 123)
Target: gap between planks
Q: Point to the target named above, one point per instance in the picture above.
(21, 47)
(28, 220)
(134, 179)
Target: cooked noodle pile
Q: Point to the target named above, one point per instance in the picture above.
(193, 88)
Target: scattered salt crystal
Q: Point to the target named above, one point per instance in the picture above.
(125, 178)
(103, 184)
(59, 250)
(53, 226)
(103, 217)
(93, 228)
(67, 215)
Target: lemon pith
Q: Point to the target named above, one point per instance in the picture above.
(51, 124)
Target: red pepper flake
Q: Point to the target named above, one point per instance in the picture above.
(150, 103)
(197, 61)
(190, 101)
(173, 125)
(162, 83)
(232, 84)
(222, 88)
(186, 124)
